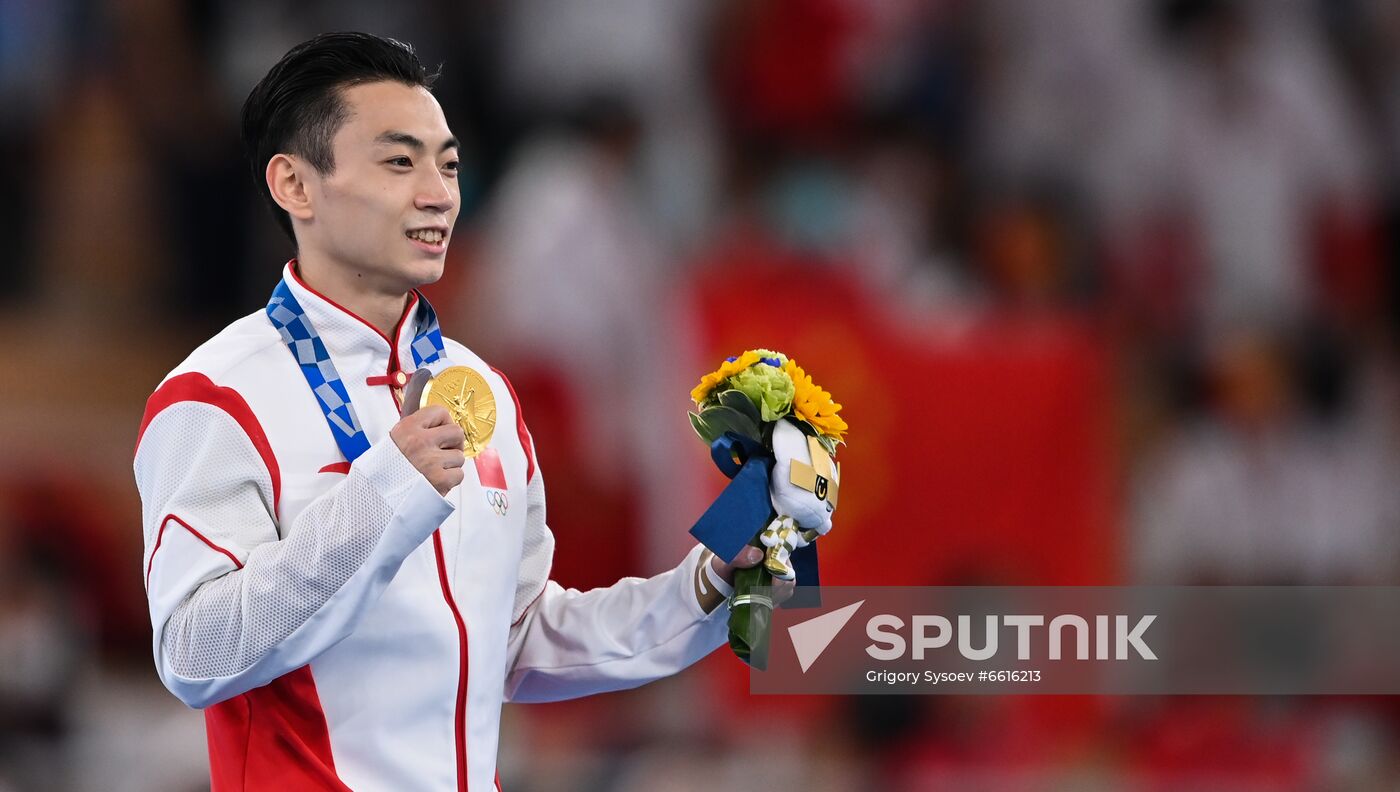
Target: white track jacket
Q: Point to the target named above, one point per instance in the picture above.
(343, 626)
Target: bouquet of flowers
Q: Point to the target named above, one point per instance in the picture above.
(774, 433)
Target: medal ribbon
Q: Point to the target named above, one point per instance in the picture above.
(291, 321)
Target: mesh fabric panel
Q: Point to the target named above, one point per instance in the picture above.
(230, 623)
(537, 556)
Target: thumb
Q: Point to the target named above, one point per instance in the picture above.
(750, 556)
(413, 390)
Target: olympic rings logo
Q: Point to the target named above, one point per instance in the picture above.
(499, 502)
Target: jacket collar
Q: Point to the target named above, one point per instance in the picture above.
(354, 343)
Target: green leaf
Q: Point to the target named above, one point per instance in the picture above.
(738, 400)
(701, 428)
(726, 419)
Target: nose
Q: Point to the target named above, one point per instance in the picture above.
(436, 193)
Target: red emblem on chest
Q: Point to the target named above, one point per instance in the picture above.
(493, 479)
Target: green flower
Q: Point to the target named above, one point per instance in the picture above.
(768, 387)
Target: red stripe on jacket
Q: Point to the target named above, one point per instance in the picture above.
(169, 518)
(195, 387)
(525, 441)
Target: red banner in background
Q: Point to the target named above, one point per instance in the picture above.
(978, 454)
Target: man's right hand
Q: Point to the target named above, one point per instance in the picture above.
(433, 444)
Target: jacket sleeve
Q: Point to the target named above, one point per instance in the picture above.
(566, 643)
(237, 600)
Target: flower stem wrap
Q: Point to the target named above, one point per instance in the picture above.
(751, 616)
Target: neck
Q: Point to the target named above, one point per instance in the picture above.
(381, 307)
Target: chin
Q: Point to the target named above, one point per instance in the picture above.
(424, 273)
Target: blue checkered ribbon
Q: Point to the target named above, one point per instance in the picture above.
(291, 321)
(427, 342)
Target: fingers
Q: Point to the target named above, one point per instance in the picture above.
(442, 431)
(450, 479)
(750, 556)
(433, 444)
(449, 437)
(433, 415)
(783, 590)
(444, 471)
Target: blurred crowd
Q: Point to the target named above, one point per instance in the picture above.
(1122, 273)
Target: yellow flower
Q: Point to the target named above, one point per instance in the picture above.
(728, 369)
(814, 405)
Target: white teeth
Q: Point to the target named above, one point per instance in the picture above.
(431, 236)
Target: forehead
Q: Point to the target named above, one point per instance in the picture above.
(378, 107)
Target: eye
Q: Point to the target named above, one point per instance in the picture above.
(452, 167)
(400, 162)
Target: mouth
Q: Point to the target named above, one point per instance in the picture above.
(431, 240)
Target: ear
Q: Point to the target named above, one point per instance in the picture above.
(286, 182)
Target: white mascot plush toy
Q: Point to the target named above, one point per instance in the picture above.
(803, 489)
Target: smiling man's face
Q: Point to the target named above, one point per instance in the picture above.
(385, 212)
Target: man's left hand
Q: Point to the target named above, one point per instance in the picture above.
(748, 558)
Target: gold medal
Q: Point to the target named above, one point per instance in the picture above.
(470, 402)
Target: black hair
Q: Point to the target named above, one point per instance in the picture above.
(297, 107)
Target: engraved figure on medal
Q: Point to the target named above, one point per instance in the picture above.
(469, 400)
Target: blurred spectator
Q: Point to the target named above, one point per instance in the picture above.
(1284, 476)
(1264, 139)
(906, 202)
(649, 57)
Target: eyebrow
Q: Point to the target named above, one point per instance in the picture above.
(403, 138)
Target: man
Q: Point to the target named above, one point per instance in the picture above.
(349, 596)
